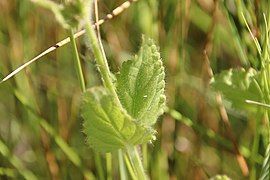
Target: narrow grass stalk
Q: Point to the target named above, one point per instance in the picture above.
(236, 38)
(8, 172)
(145, 157)
(16, 162)
(114, 13)
(98, 163)
(130, 168)
(254, 152)
(82, 85)
(77, 61)
(136, 162)
(109, 165)
(122, 165)
(265, 167)
(62, 144)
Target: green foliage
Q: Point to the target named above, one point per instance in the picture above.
(237, 86)
(16, 162)
(69, 15)
(220, 177)
(73, 12)
(266, 165)
(140, 87)
(7, 172)
(192, 139)
(1, 76)
(140, 84)
(107, 126)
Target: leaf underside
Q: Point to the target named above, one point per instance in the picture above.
(107, 126)
(140, 84)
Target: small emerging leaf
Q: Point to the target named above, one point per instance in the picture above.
(140, 84)
(107, 126)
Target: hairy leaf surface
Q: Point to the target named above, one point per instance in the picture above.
(107, 126)
(140, 84)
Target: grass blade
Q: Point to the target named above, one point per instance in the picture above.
(16, 162)
(114, 13)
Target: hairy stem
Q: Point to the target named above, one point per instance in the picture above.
(130, 168)
(122, 165)
(107, 82)
(136, 162)
(101, 61)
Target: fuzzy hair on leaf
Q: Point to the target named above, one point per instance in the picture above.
(107, 126)
(140, 84)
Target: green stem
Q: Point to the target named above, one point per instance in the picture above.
(109, 165)
(136, 162)
(145, 161)
(122, 165)
(100, 59)
(16, 162)
(98, 163)
(83, 89)
(254, 151)
(130, 168)
(77, 63)
(107, 82)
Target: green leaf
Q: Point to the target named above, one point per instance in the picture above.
(140, 84)
(237, 86)
(107, 126)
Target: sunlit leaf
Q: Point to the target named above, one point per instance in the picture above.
(140, 84)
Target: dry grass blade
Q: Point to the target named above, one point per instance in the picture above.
(257, 103)
(114, 13)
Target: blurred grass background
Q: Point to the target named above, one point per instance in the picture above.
(40, 127)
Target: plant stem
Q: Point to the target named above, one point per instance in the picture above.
(101, 61)
(136, 162)
(77, 63)
(109, 165)
(107, 82)
(254, 150)
(100, 171)
(130, 168)
(145, 157)
(83, 89)
(16, 162)
(121, 165)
